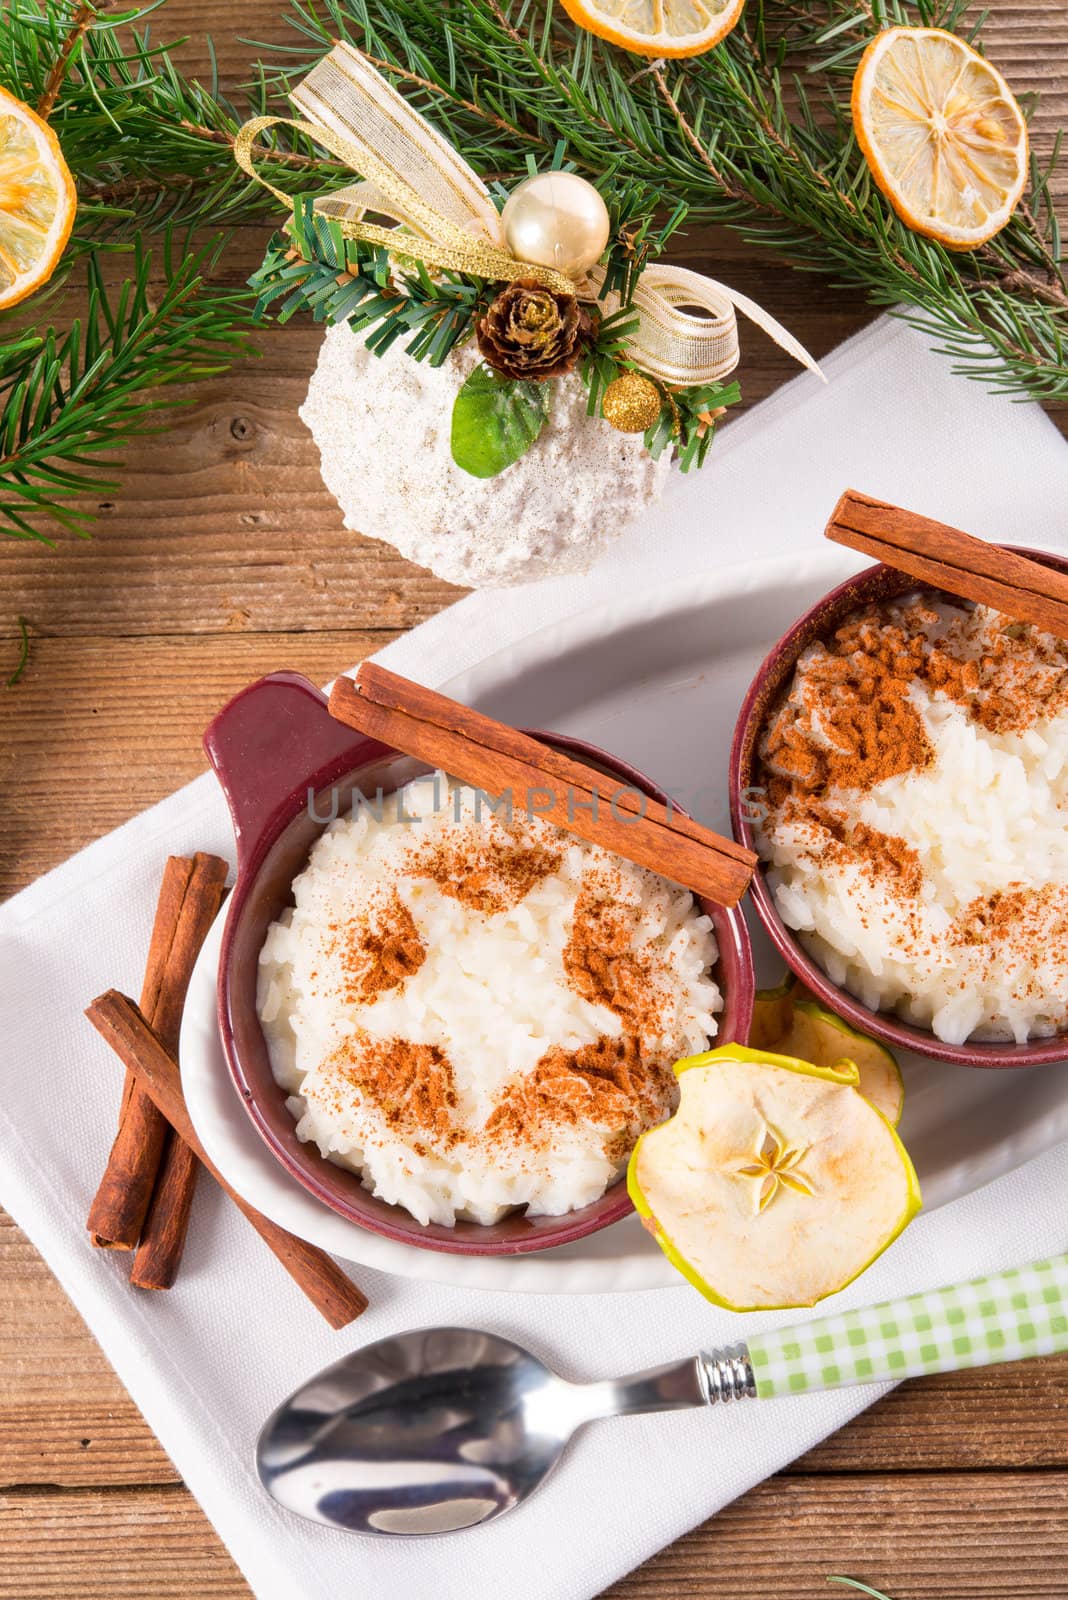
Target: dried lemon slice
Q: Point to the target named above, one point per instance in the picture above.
(775, 1183)
(942, 133)
(37, 201)
(792, 1022)
(657, 27)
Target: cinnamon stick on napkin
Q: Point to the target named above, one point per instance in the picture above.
(155, 1072)
(189, 900)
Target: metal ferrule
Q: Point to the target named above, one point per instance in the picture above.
(728, 1374)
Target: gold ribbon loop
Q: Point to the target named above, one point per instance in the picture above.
(393, 146)
(444, 216)
(421, 233)
(676, 346)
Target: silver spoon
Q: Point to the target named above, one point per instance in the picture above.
(444, 1428)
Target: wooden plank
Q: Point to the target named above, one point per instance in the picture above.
(229, 529)
(994, 1417)
(955, 1536)
(77, 721)
(98, 1545)
(96, 1444)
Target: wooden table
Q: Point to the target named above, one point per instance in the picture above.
(223, 557)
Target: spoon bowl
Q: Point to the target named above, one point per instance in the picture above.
(438, 1429)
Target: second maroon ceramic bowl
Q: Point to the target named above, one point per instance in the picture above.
(283, 763)
(874, 585)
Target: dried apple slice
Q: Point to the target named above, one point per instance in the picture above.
(792, 1022)
(775, 1183)
(773, 1012)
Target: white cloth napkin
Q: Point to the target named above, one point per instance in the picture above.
(207, 1362)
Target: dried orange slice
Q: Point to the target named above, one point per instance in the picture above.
(942, 133)
(37, 201)
(657, 27)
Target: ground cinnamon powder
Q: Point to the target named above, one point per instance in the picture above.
(602, 964)
(883, 855)
(856, 724)
(606, 1082)
(376, 951)
(485, 874)
(1017, 676)
(850, 721)
(412, 1085)
(618, 1081)
(1018, 913)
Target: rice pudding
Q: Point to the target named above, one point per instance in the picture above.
(916, 777)
(478, 1014)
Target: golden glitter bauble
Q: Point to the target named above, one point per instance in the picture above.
(557, 219)
(631, 403)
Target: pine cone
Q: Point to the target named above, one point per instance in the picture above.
(532, 332)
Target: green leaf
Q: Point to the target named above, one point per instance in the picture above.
(496, 420)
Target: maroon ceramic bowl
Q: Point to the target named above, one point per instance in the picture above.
(874, 584)
(275, 749)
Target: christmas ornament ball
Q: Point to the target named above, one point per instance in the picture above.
(557, 219)
(383, 427)
(631, 403)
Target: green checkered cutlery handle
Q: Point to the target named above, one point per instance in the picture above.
(1007, 1317)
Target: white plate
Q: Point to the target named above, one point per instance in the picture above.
(657, 683)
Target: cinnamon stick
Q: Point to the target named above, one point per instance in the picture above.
(143, 1053)
(159, 1252)
(189, 900)
(949, 559)
(500, 760)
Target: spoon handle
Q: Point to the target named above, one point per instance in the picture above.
(1008, 1317)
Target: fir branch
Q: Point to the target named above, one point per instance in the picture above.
(80, 24)
(314, 268)
(148, 146)
(67, 400)
(412, 80)
(756, 134)
(688, 421)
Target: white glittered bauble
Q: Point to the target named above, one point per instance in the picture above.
(382, 424)
(556, 219)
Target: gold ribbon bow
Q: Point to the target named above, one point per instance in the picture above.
(444, 216)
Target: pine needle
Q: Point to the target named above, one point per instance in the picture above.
(24, 653)
(861, 1588)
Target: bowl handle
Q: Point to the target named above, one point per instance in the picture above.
(276, 730)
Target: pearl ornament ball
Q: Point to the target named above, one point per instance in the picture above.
(558, 220)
